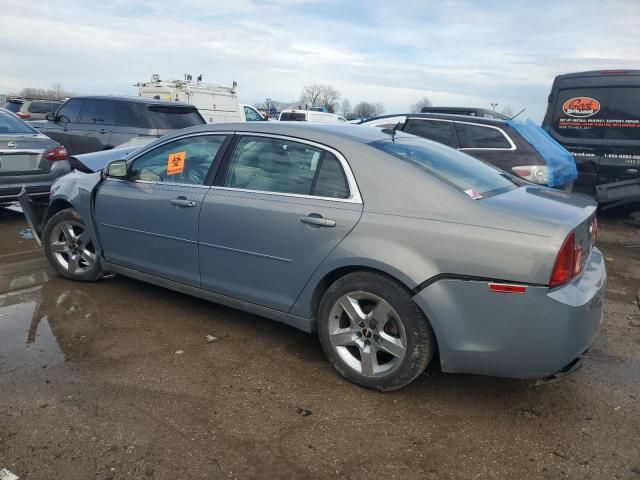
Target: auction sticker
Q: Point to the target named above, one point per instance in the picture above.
(175, 165)
(581, 107)
(7, 475)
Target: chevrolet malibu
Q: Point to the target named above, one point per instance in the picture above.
(397, 251)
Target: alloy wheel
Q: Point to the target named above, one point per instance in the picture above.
(72, 247)
(367, 333)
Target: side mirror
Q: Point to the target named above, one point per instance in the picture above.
(116, 169)
(50, 116)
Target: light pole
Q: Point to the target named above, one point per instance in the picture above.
(494, 105)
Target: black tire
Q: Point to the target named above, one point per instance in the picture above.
(86, 271)
(419, 339)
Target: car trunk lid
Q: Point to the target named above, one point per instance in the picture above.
(22, 155)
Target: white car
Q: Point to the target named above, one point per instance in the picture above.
(292, 115)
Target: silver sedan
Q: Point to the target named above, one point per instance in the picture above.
(397, 251)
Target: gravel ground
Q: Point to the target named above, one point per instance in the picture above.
(117, 380)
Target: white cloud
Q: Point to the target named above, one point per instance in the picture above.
(454, 51)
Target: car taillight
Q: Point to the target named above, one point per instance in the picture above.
(23, 115)
(568, 264)
(533, 173)
(595, 229)
(55, 154)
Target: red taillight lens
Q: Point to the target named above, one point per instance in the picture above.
(563, 270)
(23, 116)
(507, 288)
(55, 154)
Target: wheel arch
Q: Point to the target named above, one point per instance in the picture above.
(332, 276)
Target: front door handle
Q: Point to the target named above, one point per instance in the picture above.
(183, 202)
(318, 220)
(102, 130)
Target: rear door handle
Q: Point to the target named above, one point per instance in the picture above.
(315, 219)
(102, 130)
(183, 202)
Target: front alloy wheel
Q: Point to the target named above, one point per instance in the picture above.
(70, 248)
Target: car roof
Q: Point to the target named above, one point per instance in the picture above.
(445, 116)
(325, 133)
(131, 98)
(598, 73)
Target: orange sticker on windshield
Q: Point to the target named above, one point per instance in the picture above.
(175, 163)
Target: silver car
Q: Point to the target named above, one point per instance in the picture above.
(29, 158)
(397, 251)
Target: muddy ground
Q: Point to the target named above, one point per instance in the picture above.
(92, 385)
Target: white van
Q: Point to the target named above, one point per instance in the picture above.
(216, 103)
(291, 115)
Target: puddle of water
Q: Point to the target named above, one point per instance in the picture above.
(26, 339)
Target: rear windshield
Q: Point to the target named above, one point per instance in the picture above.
(597, 113)
(461, 171)
(174, 118)
(13, 106)
(292, 117)
(10, 124)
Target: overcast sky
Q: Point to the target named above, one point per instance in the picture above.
(455, 52)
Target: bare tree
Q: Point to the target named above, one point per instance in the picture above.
(311, 94)
(318, 95)
(346, 107)
(57, 92)
(379, 108)
(364, 110)
(420, 104)
(329, 98)
(507, 111)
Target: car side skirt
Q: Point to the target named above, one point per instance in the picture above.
(288, 319)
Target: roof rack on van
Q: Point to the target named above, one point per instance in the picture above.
(187, 84)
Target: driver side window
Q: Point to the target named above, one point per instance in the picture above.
(186, 161)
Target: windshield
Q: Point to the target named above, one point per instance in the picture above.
(292, 117)
(10, 124)
(174, 118)
(461, 171)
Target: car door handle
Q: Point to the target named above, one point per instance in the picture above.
(102, 130)
(183, 202)
(315, 219)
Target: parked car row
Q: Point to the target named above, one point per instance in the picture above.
(31, 109)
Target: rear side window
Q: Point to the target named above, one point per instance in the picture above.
(623, 114)
(461, 171)
(174, 118)
(251, 115)
(13, 106)
(131, 114)
(42, 107)
(441, 132)
(331, 181)
(69, 111)
(292, 117)
(100, 112)
(478, 136)
(283, 166)
(10, 124)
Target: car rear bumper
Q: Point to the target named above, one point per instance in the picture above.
(537, 334)
(10, 194)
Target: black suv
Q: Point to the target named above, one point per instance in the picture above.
(596, 116)
(493, 141)
(89, 124)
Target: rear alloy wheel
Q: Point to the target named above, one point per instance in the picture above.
(373, 332)
(69, 247)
